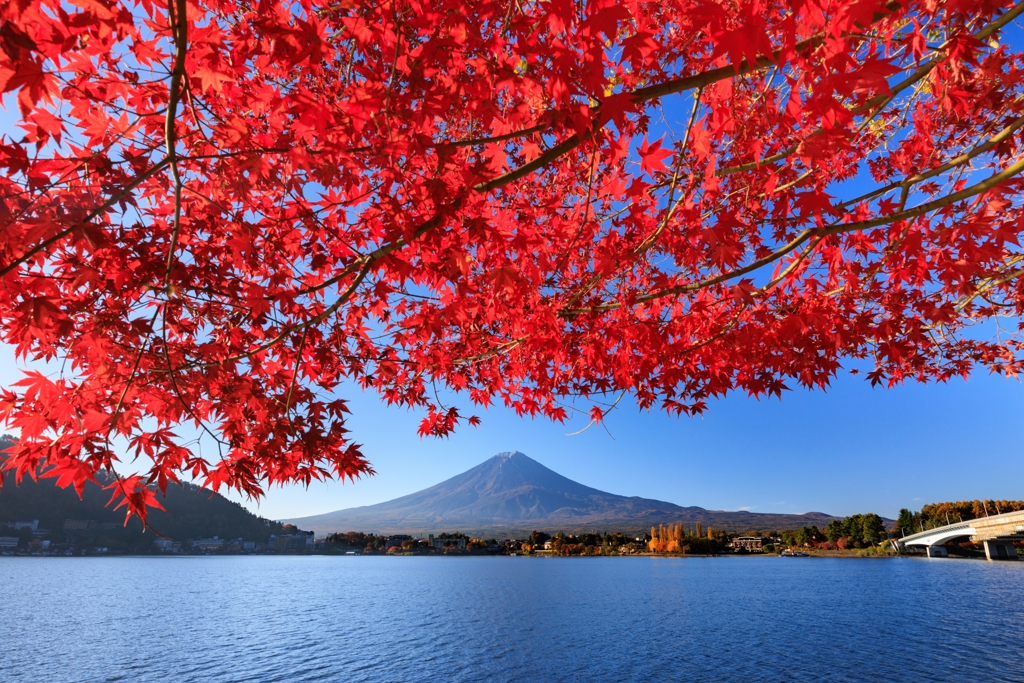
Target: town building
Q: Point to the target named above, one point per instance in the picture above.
(442, 542)
(752, 544)
(8, 542)
(208, 544)
(396, 541)
(291, 542)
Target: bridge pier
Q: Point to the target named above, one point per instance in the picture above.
(1000, 550)
(936, 551)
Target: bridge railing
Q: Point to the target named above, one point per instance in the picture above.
(940, 531)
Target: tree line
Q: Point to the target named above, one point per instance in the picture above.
(855, 531)
(935, 515)
(680, 538)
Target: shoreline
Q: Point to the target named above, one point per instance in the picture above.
(490, 555)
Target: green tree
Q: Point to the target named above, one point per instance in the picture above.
(808, 535)
(835, 530)
(872, 529)
(905, 522)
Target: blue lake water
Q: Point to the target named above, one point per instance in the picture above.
(509, 619)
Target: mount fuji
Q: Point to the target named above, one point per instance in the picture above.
(513, 493)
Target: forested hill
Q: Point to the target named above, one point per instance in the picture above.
(192, 513)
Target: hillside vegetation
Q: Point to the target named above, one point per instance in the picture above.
(191, 513)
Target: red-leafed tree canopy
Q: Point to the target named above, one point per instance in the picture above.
(217, 212)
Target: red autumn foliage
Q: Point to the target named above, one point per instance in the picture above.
(219, 211)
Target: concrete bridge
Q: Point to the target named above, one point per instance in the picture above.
(997, 533)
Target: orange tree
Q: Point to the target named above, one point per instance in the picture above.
(217, 212)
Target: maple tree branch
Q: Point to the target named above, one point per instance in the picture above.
(83, 164)
(236, 153)
(878, 103)
(604, 414)
(131, 377)
(805, 235)
(472, 142)
(672, 204)
(670, 209)
(172, 375)
(718, 335)
(651, 92)
(791, 268)
(316, 320)
(907, 183)
(179, 28)
(958, 161)
(295, 372)
(992, 283)
(999, 23)
(966, 193)
(491, 353)
(114, 199)
(556, 271)
(191, 99)
(994, 140)
(599, 119)
(379, 253)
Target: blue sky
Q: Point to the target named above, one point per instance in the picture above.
(851, 449)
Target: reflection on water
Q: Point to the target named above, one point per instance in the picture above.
(509, 619)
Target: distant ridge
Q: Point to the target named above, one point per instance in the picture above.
(512, 493)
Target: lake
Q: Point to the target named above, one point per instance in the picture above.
(265, 618)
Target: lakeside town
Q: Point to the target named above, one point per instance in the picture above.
(859, 535)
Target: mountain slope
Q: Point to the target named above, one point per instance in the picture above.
(512, 493)
(191, 512)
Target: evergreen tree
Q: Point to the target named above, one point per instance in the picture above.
(905, 522)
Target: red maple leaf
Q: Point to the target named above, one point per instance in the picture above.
(652, 156)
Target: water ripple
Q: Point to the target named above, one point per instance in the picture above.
(235, 619)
